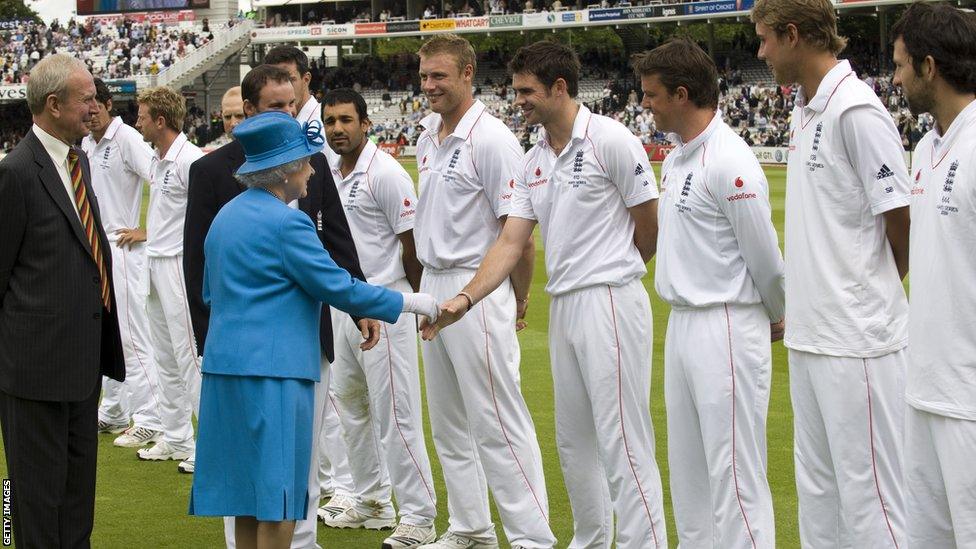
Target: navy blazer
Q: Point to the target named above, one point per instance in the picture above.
(265, 278)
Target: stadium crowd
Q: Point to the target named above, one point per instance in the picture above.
(113, 50)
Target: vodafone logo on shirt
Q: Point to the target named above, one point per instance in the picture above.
(738, 182)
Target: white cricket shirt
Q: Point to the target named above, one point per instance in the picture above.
(120, 163)
(379, 204)
(716, 242)
(942, 328)
(310, 111)
(845, 169)
(167, 198)
(466, 185)
(580, 199)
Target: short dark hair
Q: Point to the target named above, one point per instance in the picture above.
(344, 96)
(548, 61)
(102, 94)
(680, 62)
(288, 54)
(946, 34)
(258, 77)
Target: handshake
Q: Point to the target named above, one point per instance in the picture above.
(438, 317)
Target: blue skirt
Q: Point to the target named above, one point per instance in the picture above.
(254, 447)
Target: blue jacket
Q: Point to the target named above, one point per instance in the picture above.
(265, 277)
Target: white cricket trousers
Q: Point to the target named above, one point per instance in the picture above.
(138, 397)
(848, 418)
(717, 369)
(305, 530)
(940, 481)
(378, 396)
(174, 350)
(600, 341)
(483, 433)
(333, 471)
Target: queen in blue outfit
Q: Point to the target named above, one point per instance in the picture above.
(265, 277)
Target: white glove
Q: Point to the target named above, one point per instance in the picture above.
(421, 304)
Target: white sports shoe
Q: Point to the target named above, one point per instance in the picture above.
(379, 517)
(187, 466)
(113, 428)
(409, 536)
(137, 437)
(450, 540)
(162, 451)
(336, 504)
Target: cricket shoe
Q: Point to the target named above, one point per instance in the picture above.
(137, 437)
(162, 451)
(409, 536)
(105, 427)
(188, 465)
(336, 504)
(450, 540)
(378, 517)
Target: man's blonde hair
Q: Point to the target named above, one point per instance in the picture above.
(451, 44)
(815, 21)
(165, 102)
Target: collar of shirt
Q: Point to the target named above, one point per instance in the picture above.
(113, 128)
(174, 149)
(698, 140)
(362, 164)
(965, 118)
(580, 126)
(309, 110)
(433, 122)
(57, 149)
(828, 85)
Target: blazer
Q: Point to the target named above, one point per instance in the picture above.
(56, 339)
(265, 278)
(212, 185)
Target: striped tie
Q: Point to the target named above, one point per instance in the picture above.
(88, 223)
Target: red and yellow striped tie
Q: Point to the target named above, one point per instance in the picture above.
(88, 223)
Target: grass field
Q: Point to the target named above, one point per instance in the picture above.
(141, 504)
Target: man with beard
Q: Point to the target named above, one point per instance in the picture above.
(935, 65)
(379, 389)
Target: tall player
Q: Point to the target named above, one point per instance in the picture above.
(482, 428)
(380, 388)
(935, 65)
(337, 481)
(720, 269)
(161, 114)
(120, 161)
(847, 223)
(588, 184)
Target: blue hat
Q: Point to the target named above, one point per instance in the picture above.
(274, 138)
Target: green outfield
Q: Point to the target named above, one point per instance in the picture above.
(140, 504)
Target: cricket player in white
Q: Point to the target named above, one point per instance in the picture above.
(120, 162)
(161, 114)
(847, 222)
(720, 269)
(379, 389)
(934, 52)
(334, 470)
(482, 429)
(589, 186)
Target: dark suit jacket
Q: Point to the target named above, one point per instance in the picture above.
(212, 184)
(56, 339)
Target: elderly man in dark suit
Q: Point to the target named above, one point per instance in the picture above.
(58, 329)
(212, 185)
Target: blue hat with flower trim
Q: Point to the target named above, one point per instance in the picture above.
(271, 139)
